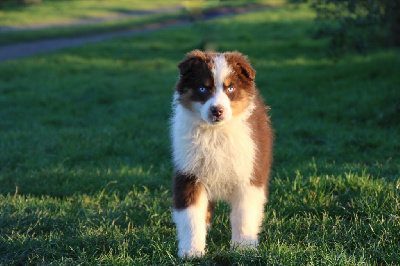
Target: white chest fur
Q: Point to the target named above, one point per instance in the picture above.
(221, 156)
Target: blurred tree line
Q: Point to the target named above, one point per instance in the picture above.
(357, 24)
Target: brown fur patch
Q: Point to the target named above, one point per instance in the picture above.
(210, 212)
(262, 135)
(186, 190)
(238, 106)
(227, 82)
(241, 66)
(186, 99)
(242, 80)
(195, 72)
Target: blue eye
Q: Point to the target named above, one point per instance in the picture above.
(202, 89)
(231, 89)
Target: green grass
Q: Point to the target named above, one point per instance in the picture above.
(10, 37)
(66, 11)
(59, 12)
(12, 15)
(85, 157)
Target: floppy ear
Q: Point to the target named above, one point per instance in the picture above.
(241, 65)
(191, 60)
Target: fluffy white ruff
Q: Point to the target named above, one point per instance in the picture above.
(191, 228)
(221, 156)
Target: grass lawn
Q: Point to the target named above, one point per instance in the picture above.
(85, 158)
(20, 36)
(59, 12)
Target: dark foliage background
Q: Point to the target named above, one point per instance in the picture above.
(358, 24)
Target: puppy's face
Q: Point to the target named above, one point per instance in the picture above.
(215, 86)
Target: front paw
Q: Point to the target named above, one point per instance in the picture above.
(243, 243)
(190, 254)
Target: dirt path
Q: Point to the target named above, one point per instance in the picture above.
(21, 50)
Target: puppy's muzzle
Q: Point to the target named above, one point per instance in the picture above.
(217, 112)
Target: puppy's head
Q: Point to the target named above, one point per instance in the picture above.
(215, 86)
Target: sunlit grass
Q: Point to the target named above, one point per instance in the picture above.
(10, 37)
(53, 14)
(59, 11)
(56, 11)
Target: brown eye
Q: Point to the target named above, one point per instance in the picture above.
(231, 89)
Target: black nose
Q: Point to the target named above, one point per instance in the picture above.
(217, 111)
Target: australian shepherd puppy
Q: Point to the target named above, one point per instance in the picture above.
(222, 144)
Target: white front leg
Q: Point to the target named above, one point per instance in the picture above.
(191, 226)
(247, 215)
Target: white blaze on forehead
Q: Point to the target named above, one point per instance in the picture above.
(220, 71)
